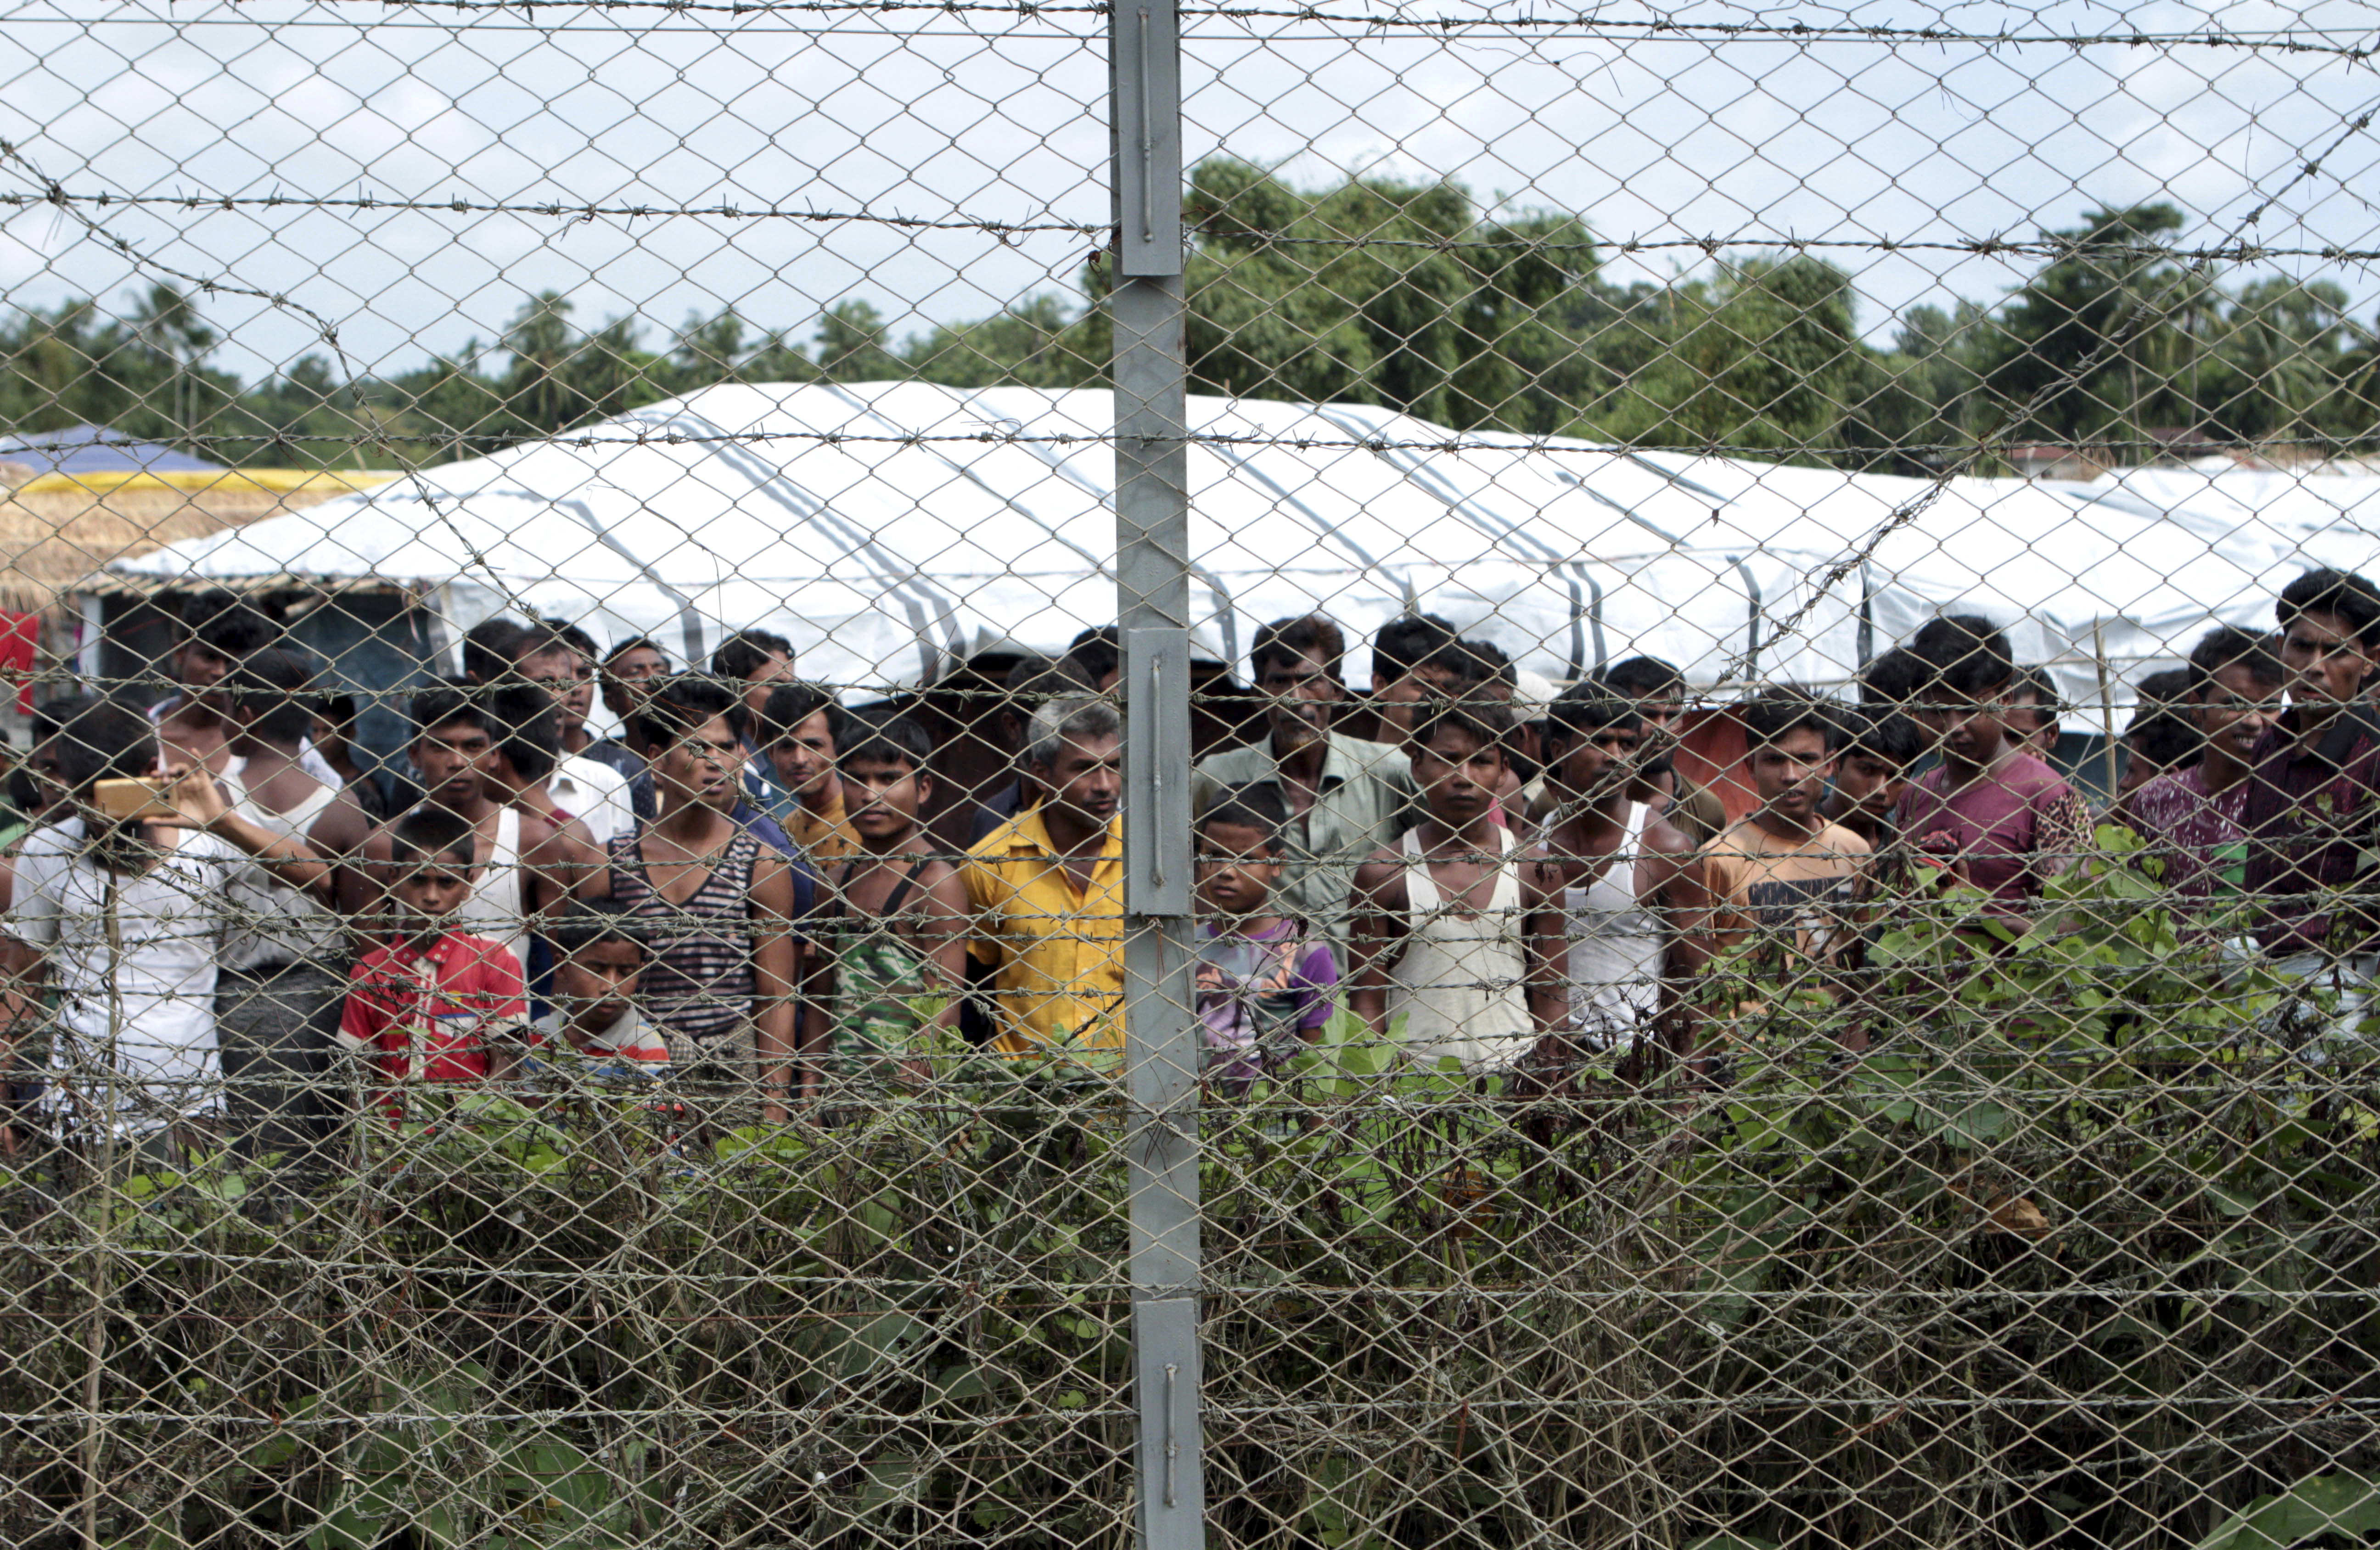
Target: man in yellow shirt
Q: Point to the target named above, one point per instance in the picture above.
(1047, 891)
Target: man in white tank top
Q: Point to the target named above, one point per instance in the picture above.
(1443, 921)
(1620, 878)
(525, 866)
(283, 980)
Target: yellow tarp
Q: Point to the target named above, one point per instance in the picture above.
(275, 482)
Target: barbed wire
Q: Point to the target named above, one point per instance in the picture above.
(2049, 247)
(1498, 441)
(2294, 41)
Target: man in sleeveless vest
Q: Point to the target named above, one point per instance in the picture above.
(1443, 921)
(1620, 879)
(283, 971)
(720, 908)
(524, 865)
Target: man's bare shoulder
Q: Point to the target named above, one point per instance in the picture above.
(344, 825)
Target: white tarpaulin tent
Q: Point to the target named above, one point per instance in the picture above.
(889, 528)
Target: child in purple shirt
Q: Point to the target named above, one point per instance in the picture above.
(1266, 983)
(2005, 817)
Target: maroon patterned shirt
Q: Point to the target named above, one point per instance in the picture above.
(2196, 833)
(2310, 811)
(2016, 828)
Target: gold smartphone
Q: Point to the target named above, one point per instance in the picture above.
(141, 798)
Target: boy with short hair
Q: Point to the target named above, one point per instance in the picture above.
(895, 931)
(1618, 880)
(2191, 815)
(1659, 691)
(800, 724)
(1785, 874)
(630, 670)
(1265, 980)
(2035, 710)
(1872, 772)
(595, 1029)
(436, 1003)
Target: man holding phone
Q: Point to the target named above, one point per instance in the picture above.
(128, 916)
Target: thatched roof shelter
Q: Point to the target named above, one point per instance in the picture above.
(57, 529)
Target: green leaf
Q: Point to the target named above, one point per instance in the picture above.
(2346, 1505)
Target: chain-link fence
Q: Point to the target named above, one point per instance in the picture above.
(1345, 776)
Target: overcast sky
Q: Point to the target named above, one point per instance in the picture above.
(999, 117)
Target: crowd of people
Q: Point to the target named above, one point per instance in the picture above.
(754, 894)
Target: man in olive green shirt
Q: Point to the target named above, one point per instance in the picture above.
(1346, 797)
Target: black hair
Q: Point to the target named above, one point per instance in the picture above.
(2165, 737)
(584, 923)
(493, 647)
(276, 686)
(429, 833)
(1882, 732)
(789, 705)
(96, 739)
(1965, 653)
(2166, 688)
(747, 652)
(1773, 714)
(341, 710)
(2228, 645)
(571, 636)
(1284, 640)
(1487, 722)
(2046, 701)
(1406, 643)
(891, 740)
(527, 725)
(1259, 807)
(1590, 706)
(683, 702)
(1641, 678)
(2344, 593)
(444, 705)
(1098, 651)
(1485, 662)
(634, 643)
(227, 624)
(1894, 678)
(1034, 682)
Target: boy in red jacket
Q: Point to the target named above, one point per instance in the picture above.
(435, 1004)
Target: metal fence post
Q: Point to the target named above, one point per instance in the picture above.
(1152, 603)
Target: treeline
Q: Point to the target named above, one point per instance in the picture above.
(1457, 315)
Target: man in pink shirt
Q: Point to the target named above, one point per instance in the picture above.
(2191, 815)
(1995, 811)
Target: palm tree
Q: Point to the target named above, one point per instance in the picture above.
(166, 323)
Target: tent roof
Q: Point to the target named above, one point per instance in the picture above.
(91, 448)
(886, 528)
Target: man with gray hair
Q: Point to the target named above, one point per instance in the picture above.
(1046, 889)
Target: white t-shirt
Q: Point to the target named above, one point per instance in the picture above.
(276, 924)
(173, 921)
(594, 794)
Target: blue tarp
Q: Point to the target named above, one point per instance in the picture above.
(92, 449)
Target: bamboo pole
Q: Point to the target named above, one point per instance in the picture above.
(2107, 702)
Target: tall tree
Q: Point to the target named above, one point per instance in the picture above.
(2097, 346)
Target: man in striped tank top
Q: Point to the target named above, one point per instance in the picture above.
(720, 907)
